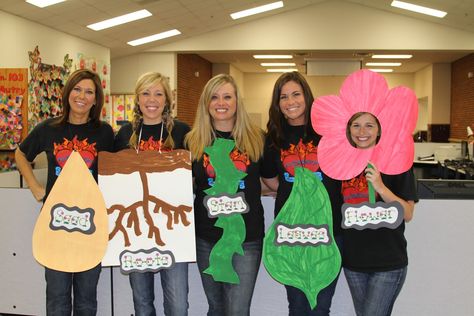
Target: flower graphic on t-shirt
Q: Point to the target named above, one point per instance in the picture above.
(87, 151)
(63, 150)
(397, 111)
(240, 160)
(152, 144)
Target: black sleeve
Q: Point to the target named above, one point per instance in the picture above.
(268, 166)
(109, 137)
(403, 185)
(179, 132)
(123, 137)
(33, 145)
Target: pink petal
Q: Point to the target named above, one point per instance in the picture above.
(338, 159)
(395, 152)
(364, 91)
(328, 116)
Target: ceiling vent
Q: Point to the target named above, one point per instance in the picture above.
(332, 67)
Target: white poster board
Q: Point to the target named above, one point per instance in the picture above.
(149, 200)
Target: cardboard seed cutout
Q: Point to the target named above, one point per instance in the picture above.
(149, 202)
(299, 248)
(223, 202)
(71, 232)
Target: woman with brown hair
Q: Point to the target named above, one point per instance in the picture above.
(79, 123)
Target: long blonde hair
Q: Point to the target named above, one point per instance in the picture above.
(144, 82)
(248, 137)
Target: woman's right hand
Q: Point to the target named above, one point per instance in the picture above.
(38, 192)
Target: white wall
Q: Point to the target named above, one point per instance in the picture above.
(441, 112)
(433, 85)
(424, 90)
(126, 70)
(20, 36)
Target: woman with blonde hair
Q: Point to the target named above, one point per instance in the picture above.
(154, 128)
(221, 114)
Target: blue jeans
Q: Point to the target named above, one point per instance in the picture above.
(174, 282)
(227, 299)
(60, 286)
(375, 293)
(298, 304)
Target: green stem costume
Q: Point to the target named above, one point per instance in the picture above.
(233, 226)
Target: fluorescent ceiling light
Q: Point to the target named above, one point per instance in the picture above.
(137, 15)
(277, 64)
(154, 37)
(418, 9)
(381, 70)
(273, 56)
(282, 70)
(384, 64)
(256, 10)
(43, 3)
(393, 56)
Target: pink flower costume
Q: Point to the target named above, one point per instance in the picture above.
(397, 111)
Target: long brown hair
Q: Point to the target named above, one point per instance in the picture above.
(276, 119)
(76, 77)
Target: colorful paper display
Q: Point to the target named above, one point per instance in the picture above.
(13, 106)
(45, 88)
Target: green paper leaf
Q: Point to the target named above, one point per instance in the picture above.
(307, 267)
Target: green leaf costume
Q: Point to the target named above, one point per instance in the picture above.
(308, 267)
(233, 226)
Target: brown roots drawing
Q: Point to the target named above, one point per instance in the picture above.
(175, 215)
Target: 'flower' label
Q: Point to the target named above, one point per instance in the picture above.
(366, 215)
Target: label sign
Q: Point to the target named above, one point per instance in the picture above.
(365, 215)
(225, 204)
(304, 235)
(151, 260)
(72, 219)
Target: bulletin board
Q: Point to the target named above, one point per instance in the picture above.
(13, 106)
(122, 108)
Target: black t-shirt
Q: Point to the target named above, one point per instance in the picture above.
(204, 177)
(59, 141)
(383, 249)
(299, 151)
(150, 138)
